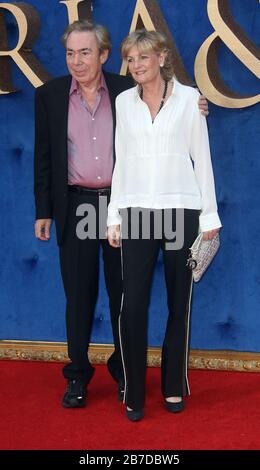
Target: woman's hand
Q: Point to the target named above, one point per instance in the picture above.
(210, 234)
(203, 106)
(113, 235)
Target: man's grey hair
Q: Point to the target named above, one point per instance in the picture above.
(81, 26)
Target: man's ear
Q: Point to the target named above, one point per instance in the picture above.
(103, 56)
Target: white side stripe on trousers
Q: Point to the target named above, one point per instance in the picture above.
(187, 337)
(119, 324)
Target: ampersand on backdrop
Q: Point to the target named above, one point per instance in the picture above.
(207, 74)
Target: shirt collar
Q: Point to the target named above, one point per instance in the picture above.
(74, 88)
(103, 85)
(176, 86)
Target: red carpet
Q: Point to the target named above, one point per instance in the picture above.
(222, 413)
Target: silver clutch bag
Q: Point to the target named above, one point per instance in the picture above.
(201, 254)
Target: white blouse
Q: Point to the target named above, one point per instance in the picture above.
(165, 164)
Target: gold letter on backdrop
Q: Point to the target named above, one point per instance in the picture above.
(207, 74)
(28, 27)
(6, 85)
(148, 15)
(78, 9)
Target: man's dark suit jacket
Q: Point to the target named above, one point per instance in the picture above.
(51, 156)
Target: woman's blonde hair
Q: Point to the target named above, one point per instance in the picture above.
(150, 41)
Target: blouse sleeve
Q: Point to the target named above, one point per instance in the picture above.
(114, 217)
(200, 154)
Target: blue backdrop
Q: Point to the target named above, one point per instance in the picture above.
(226, 302)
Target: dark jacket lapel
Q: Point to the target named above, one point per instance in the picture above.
(62, 101)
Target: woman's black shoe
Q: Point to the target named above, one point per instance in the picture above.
(134, 415)
(174, 407)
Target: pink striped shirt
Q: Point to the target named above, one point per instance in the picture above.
(90, 139)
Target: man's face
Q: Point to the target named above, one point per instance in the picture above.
(84, 59)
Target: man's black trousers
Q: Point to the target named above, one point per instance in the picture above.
(79, 260)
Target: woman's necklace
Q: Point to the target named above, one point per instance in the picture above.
(141, 93)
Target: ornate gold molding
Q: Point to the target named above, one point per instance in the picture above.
(99, 354)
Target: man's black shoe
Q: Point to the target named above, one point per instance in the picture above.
(121, 390)
(75, 395)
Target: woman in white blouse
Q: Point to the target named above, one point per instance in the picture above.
(163, 171)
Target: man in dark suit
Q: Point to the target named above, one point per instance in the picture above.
(74, 159)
